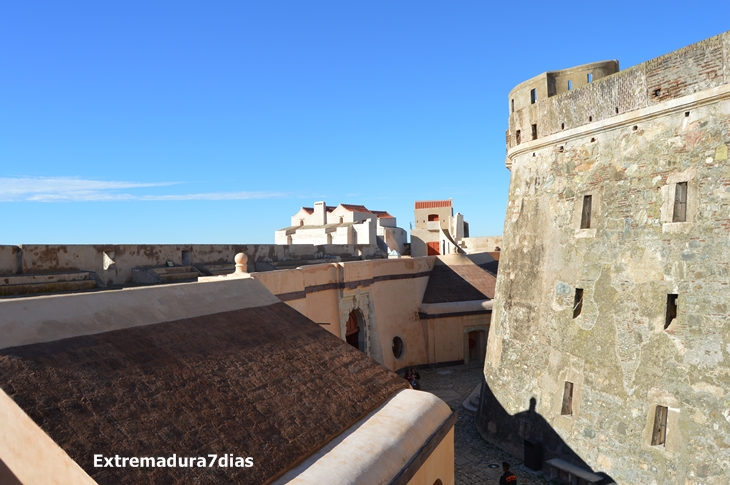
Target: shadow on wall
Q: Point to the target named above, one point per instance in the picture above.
(526, 435)
(7, 477)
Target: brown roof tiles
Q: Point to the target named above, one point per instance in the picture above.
(432, 204)
(355, 208)
(263, 382)
(382, 215)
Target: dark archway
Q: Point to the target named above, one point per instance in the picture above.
(352, 329)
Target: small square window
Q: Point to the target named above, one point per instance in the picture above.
(680, 203)
(671, 312)
(578, 302)
(659, 434)
(585, 217)
(567, 409)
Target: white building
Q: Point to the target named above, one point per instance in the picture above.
(343, 224)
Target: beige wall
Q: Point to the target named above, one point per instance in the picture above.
(30, 454)
(326, 293)
(438, 466)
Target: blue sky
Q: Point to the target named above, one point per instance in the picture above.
(213, 122)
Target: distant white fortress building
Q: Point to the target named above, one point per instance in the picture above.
(343, 224)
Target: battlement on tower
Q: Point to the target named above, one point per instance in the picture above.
(557, 101)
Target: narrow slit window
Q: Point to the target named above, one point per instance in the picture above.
(578, 302)
(567, 409)
(570, 85)
(513, 106)
(590, 78)
(533, 96)
(671, 310)
(534, 132)
(680, 203)
(518, 137)
(585, 217)
(659, 435)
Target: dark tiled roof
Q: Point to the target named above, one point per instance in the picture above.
(355, 208)
(382, 214)
(431, 204)
(264, 382)
(465, 281)
(308, 210)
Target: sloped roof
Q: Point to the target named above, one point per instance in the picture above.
(264, 382)
(308, 210)
(355, 208)
(432, 204)
(383, 215)
(461, 278)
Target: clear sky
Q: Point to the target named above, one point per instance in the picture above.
(214, 122)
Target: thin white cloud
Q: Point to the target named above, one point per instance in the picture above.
(69, 189)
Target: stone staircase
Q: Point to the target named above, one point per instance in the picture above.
(165, 274)
(471, 403)
(39, 284)
(216, 269)
(177, 274)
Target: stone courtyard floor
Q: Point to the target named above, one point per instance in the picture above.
(472, 455)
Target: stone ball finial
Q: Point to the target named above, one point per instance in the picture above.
(241, 262)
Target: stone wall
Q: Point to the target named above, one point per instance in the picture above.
(622, 356)
(694, 68)
(121, 259)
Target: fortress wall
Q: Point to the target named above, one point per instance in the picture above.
(618, 354)
(387, 292)
(691, 69)
(54, 258)
(9, 259)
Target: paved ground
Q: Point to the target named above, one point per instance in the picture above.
(473, 455)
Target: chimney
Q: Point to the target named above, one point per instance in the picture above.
(320, 214)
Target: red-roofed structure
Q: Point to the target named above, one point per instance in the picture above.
(344, 224)
(432, 204)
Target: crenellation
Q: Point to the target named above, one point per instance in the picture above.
(611, 93)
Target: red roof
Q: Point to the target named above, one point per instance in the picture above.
(432, 204)
(355, 208)
(383, 215)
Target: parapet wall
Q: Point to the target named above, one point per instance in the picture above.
(694, 68)
(114, 263)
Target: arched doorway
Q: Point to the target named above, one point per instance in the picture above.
(475, 345)
(352, 329)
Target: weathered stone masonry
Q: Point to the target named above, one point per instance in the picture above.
(627, 140)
